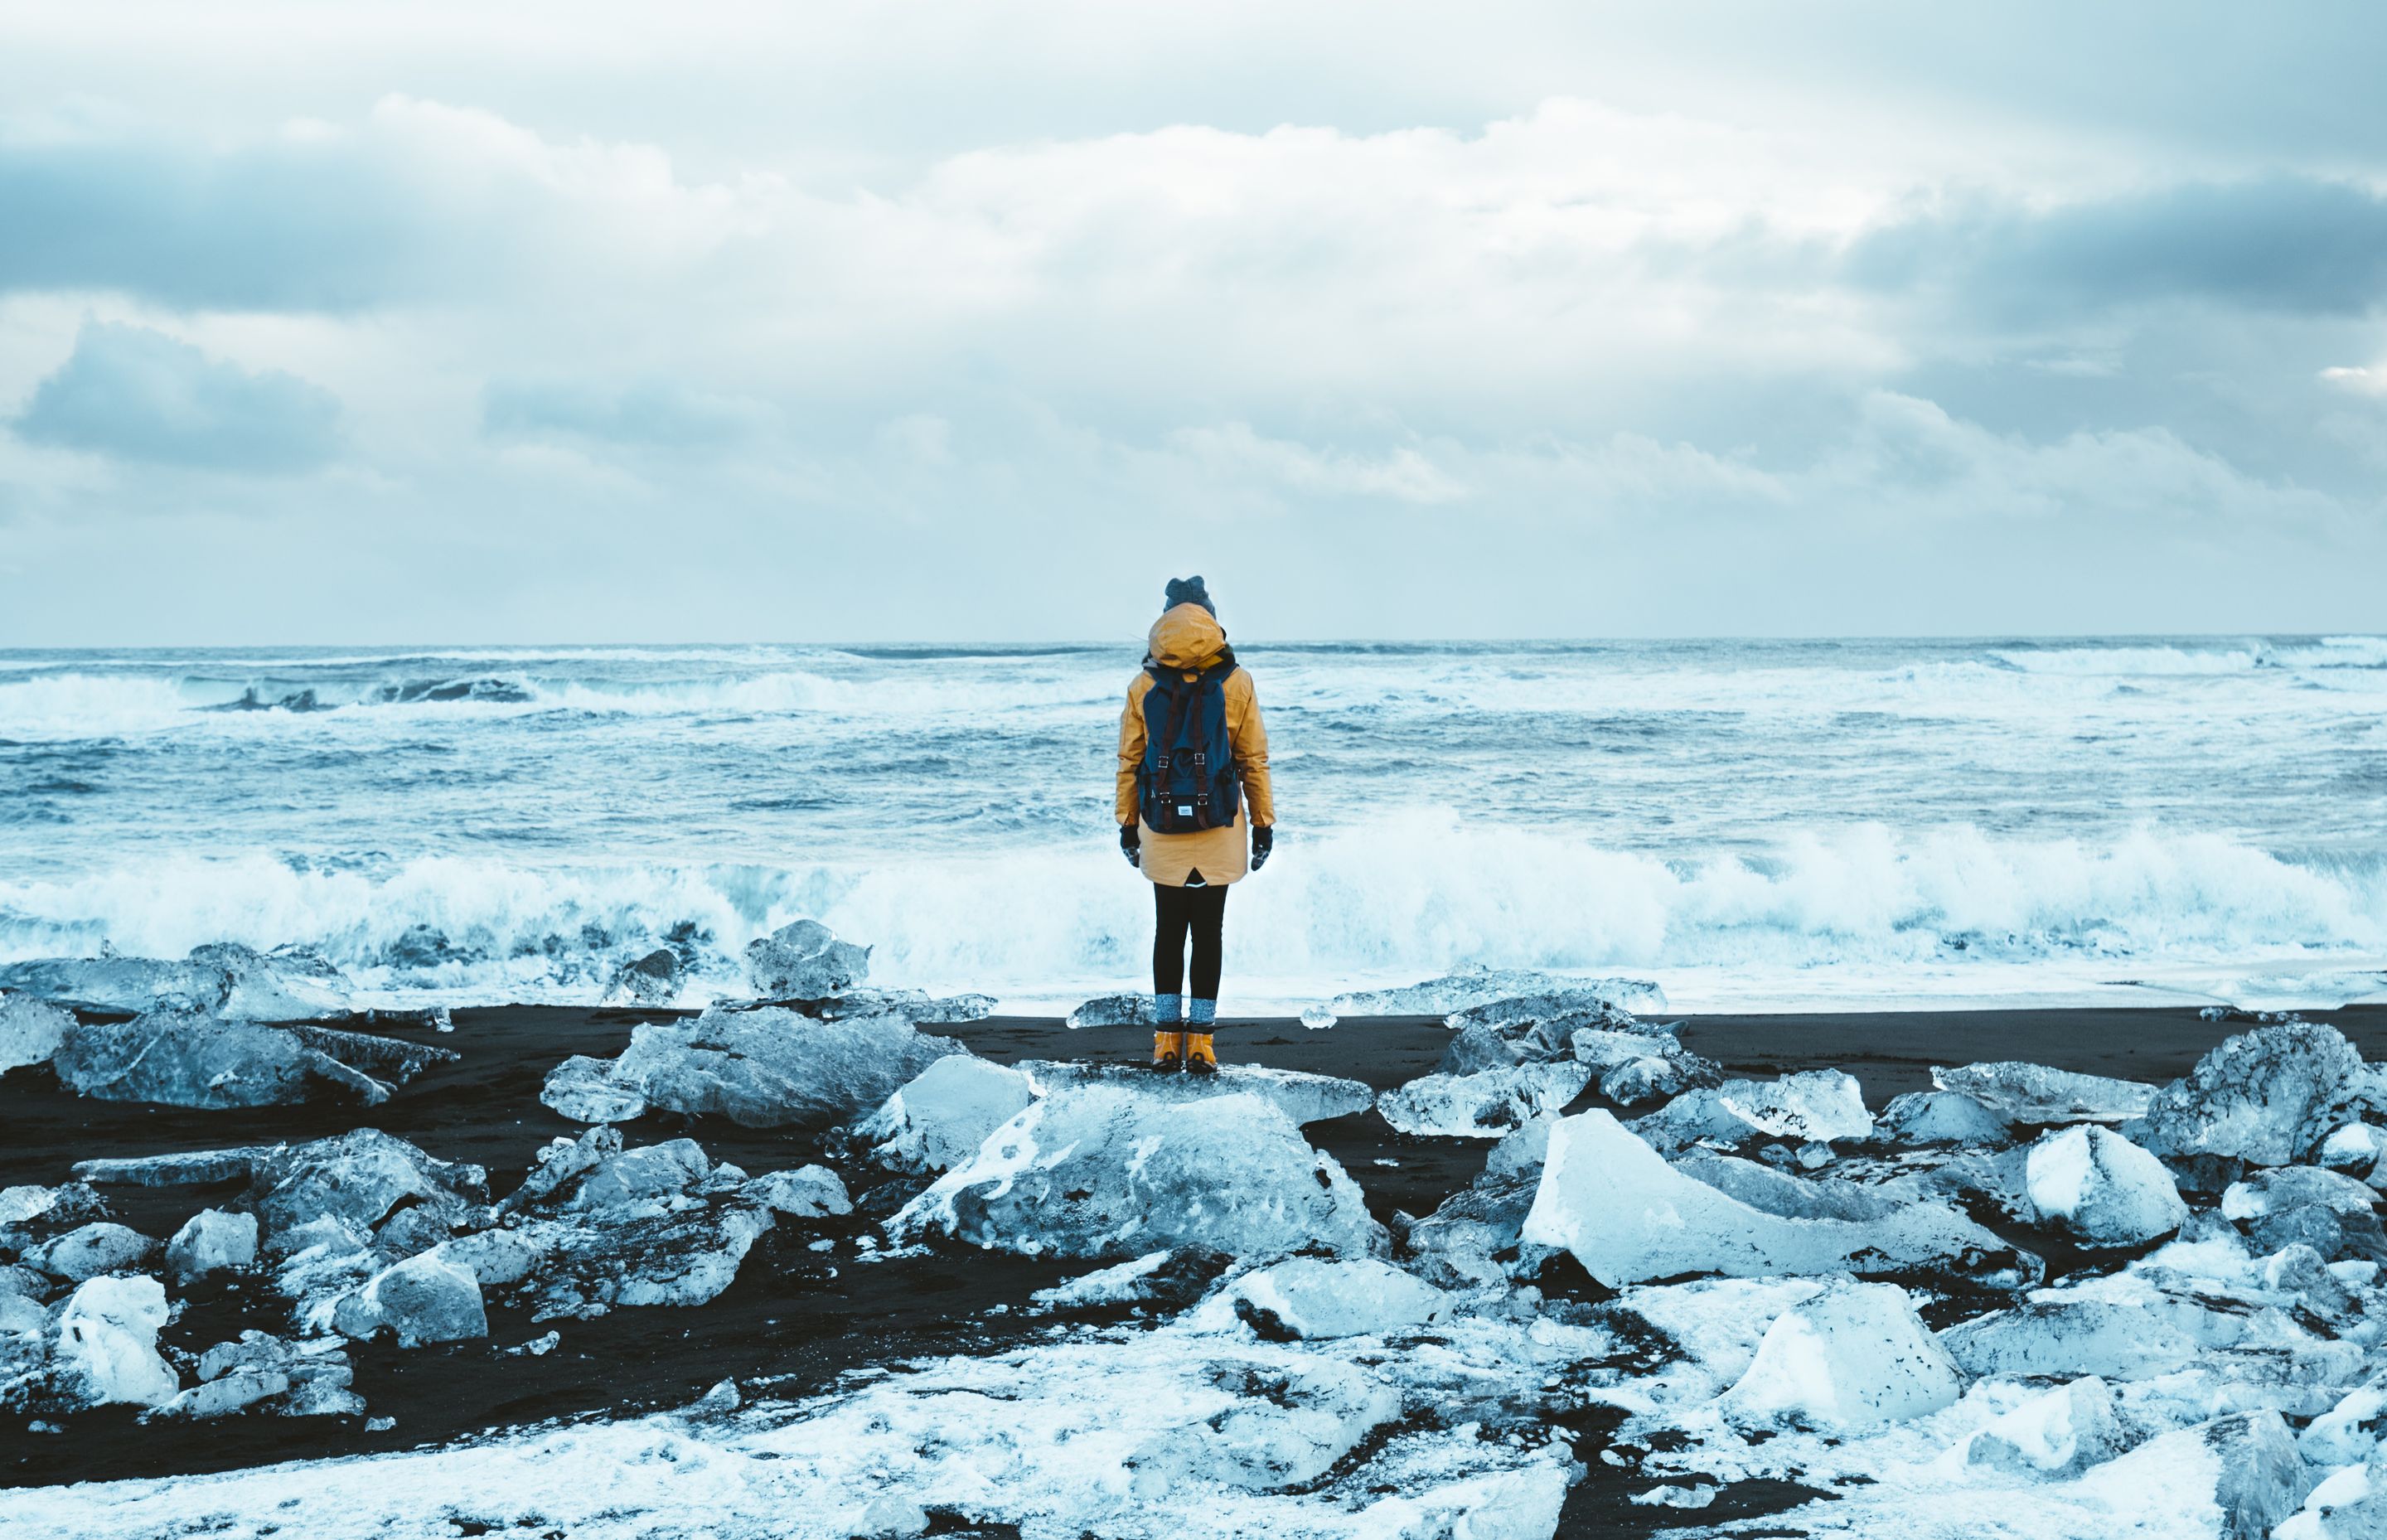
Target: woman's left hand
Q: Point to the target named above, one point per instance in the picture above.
(1263, 841)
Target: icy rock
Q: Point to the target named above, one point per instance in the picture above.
(2100, 1189)
(1507, 1505)
(944, 1114)
(211, 1241)
(1302, 1097)
(107, 1346)
(808, 1192)
(2353, 1150)
(2304, 1204)
(652, 980)
(357, 1178)
(2349, 1432)
(1475, 1237)
(1521, 1151)
(1311, 1299)
(1289, 1428)
(1628, 1217)
(2036, 1093)
(561, 1163)
(2248, 1462)
(1647, 1080)
(91, 1250)
(1851, 1357)
(913, 1005)
(2126, 1339)
(291, 983)
(644, 1178)
(804, 961)
(2302, 1271)
(2056, 1432)
(1483, 1106)
(2267, 1097)
(770, 1068)
(1476, 1049)
(890, 1518)
(1541, 1026)
(1780, 1193)
(1476, 986)
(1100, 1170)
(423, 1299)
(265, 1372)
(195, 1168)
(186, 1057)
(1317, 1018)
(1113, 1010)
(1942, 1118)
(2348, 1504)
(30, 1030)
(1821, 1104)
(1158, 1277)
(587, 1091)
(685, 1256)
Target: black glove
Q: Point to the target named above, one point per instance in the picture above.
(1129, 844)
(1263, 841)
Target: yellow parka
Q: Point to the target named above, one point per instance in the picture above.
(1189, 637)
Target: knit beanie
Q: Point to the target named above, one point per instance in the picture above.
(1188, 590)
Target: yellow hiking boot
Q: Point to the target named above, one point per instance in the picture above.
(1169, 1051)
(1200, 1057)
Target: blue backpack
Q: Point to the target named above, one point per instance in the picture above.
(1187, 781)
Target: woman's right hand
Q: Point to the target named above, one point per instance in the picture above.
(1131, 844)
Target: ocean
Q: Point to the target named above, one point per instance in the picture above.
(1754, 825)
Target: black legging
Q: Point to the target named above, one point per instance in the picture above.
(1176, 911)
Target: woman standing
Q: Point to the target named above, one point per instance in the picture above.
(1193, 789)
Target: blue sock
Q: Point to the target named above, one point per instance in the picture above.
(1166, 1010)
(1204, 1011)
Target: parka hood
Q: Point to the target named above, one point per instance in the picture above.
(1188, 636)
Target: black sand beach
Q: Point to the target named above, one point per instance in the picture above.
(797, 1318)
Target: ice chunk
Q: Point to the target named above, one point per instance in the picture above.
(1287, 1429)
(357, 1178)
(944, 1114)
(1302, 1097)
(2102, 1189)
(107, 1347)
(632, 1258)
(2035, 1093)
(291, 983)
(1475, 1236)
(1120, 1284)
(1312, 1297)
(652, 980)
(183, 1057)
(2354, 1149)
(2248, 1462)
(264, 1372)
(2057, 1432)
(30, 1030)
(2131, 1338)
(1542, 1026)
(1628, 1217)
(2267, 1097)
(1317, 1018)
(1476, 1049)
(768, 1067)
(1113, 1010)
(1942, 1118)
(2348, 1504)
(1100, 1170)
(91, 1250)
(2349, 1432)
(804, 961)
(1506, 1505)
(195, 1168)
(2290, 1205)
(1522, 1149)
(587, 1090)
(1851, 1357)
(642, 1178)
(1821, 1105)
(423, 1299)
(807, 1192)
(1781, 1193)
(212, 1241)
(1485, 1105)
(1480, 986)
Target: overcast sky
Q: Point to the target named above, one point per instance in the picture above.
(911, 318)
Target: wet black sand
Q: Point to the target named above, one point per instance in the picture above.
(796, 1318)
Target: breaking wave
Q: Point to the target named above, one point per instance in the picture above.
(1409, 896)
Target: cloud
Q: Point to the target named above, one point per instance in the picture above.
(649, 413)
(1401, 472)
(2362, 379)
(2282, 243)
(130, 393)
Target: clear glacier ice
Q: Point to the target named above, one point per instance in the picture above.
(764, 1068)
(31, 1030)
(1485, 1105)
(211, 1241)
(2100, 1189)
(1850, 1358)
(1479, 985)
(2036, 1093)
(1106, 1171)
(804, 961)
(2268, 1097)
(178, 1056)
(937, 1120)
